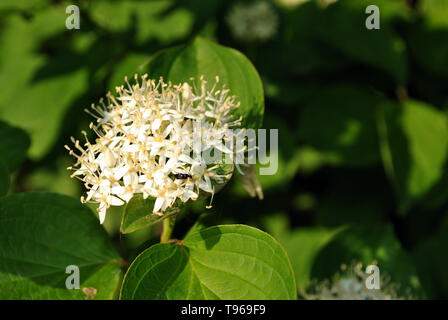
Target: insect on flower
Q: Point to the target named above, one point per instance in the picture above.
(146, 138)
(182, 176)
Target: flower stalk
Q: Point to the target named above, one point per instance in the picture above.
(168, 226)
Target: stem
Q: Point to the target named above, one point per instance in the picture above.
(168, 225)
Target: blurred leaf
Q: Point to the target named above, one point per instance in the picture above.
(425, 37)
(128, 66)
(138, 214)
(302, 52)
(301, 244)
(342, 25)
(432, 263)
(36, 105)
(4, 179)
(22, 4)
(42, 234)
(203, 57)
(18, 59)
(286, 157)
(339, 122)
(435, 12)
(369, 244)
(309, 159)
(146, 19)
(424, 43)
(14, 143)
(349, 199)
(414, 141)
(41, 108)
(54, 178)
(221, 262)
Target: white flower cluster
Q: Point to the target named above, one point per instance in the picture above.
(146, 144)
(255, 21)
(350, 285)
(296, 3)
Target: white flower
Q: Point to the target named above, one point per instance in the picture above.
(351, 285)
(147, 143)
(295, 3)
(255, 21)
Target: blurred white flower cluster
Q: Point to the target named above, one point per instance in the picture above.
(253, 22)
(146, 144)
(295, 3)
(350, 284)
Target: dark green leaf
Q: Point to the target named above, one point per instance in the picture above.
(342, 26)
(4, 179)
(221, 262)
(424, 44)
(138, 214)
(203, 57)
(43, 233)
(339, 122)
(151, 19)
(432, 263)
(14, 143)
(414, 142)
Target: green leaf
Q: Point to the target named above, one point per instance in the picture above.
(424, 45)
(370, 203)
(221, 262)
(29, 5)
(30, 99)
(432, 263)
(425, 36)
(340, 123)
(156, 19)
(342, 26)
(42, 117)
(14, 143)
(435, 12)
(414, 141)
(42, 234)
(4, 179)
(128, 66)
(203, 57)
(138, 214)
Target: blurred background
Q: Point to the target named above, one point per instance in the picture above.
(362, 119)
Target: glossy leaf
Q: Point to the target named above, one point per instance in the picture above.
(221, 262)
(44, 233)
(203, 57)
(138, 214)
